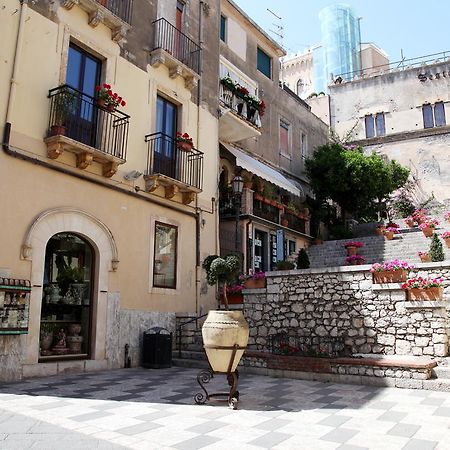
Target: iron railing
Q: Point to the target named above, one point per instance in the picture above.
(239, 106)
(165, 158)
(295, 223)
(176, 43)
(266, 211)
(291, 344)
(227, 204)
(181, 325)
(77, 116)
(120, 8)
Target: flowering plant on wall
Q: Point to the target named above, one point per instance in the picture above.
(355, 259)
(356, 244)
(429, 223)
(254, 276)
(393, 265)
(447, 215)
(183, 137)
(392, 230)
(110, 98)
(445, 235)
(422, 283)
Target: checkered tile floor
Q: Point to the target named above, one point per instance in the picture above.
(154, 409)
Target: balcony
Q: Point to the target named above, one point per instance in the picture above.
(179, 53)
(294, 222)
(238, 119)
(78, 125)
(174, 169)
(115, 14)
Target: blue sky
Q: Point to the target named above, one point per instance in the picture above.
(419, 27)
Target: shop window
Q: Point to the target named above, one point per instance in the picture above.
(165, 256)
(433, 115)
(67, 298)
(264, 63)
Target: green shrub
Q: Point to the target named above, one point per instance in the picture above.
(285, 265)
(302, 259)
(436, 250)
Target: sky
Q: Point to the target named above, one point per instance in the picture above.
(418, 27)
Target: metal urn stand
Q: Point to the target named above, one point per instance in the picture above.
(206, 375)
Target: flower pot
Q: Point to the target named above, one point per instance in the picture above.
(185, 146)
(409, 223)
(390, 276)
(284, 222)
(355, 263)
(257, 196)
(224, 329)
(258, 283)
(233, 299)
(102, 103)
(379, 230)
(425, 258)
(447, 242)
(318, 241)
(434, 293)
(57, 130)
(351, 251)
(110, 107)
(389, 235)
(428, 231)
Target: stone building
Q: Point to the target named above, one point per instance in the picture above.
(401, 111)
(266, 145)
(103, 210)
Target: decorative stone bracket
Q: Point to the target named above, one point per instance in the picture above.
(171, 187)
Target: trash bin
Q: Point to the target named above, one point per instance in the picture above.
(157, 348)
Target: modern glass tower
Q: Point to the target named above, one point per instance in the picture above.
(341, 42)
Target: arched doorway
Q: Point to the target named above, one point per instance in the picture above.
(67, 298)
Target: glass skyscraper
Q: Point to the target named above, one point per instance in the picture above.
(340, 49)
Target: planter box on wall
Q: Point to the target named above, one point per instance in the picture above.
(259, 283)
(233, 299)
(434, 293)
(390, 276)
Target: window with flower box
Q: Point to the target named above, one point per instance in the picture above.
(165, 256)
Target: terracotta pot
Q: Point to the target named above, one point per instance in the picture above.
(434, 293)
(428, 231)
(389, 235)
(258, 283)
(318, 242)
(224, 329)
(233, 299)
(447, 242)
(102, 103)
(284, 222)
(110, 107)
(185, 146)
(410, 223)
(351, 251)
(390, 276)
(57, 130)
(425, 258)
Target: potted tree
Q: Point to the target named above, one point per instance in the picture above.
(63, 104)
(225, 333)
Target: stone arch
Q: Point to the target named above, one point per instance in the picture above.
(44, 226)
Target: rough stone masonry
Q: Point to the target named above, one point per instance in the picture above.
(343, 302)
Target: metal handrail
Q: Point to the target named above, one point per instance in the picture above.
(121, 8)
(181, 325)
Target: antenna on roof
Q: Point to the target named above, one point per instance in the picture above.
(280, 33)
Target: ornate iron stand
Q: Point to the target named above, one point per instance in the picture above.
(206, 375)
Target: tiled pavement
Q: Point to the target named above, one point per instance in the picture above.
(150, 409)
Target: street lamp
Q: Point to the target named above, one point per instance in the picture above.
(238, 186)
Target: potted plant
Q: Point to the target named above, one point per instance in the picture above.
(257, 280)
(395, 271)
(302, 259)
(424, 256)
(446, 236)
(284, 220)
(428, 225)
(410, 221)
(225, 333)
(285, 265)
(107, 99)
(184, 141)
(379, 229)
(447, 216)
(234, 294)
(436, 251)
(228, 83)
(63, 104)
(352, 247)
(389, 233)
(419, 215)
(355, 260)
(419, 288)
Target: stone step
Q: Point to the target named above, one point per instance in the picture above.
(441, 385)
(442, 372)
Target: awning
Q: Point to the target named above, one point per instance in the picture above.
(264, 171)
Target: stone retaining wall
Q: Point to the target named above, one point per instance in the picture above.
(343, 302)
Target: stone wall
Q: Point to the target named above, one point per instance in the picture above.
(342, 302)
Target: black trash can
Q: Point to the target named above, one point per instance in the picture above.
(157, 348)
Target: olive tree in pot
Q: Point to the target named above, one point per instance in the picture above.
(225, 333)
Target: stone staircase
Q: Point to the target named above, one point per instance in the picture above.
(404, 246)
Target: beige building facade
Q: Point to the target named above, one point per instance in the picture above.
(103, 210)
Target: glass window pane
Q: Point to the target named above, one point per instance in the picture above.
(427, 116)
(284, 137)
(370, 128)
(74, 68)
(381, 129)
(165, 256)
(223, 22)
(264, 63)
(439, 114)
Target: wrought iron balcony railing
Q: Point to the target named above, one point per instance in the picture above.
(167, 159)
(78, 116)
(120, 8)
(265, 211)
(176, 43)
(239, 106)
(295, 223)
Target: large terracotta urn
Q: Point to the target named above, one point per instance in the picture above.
(224, 329)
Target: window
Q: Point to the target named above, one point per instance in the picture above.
(304, 146)
(433, 115)
(375, 125)
(165, 256)
(284, 137)
(264, 63)
(291, 247)
(300, 87)
(223, 28)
